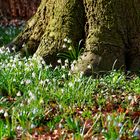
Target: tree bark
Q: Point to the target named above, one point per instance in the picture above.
(110, 29)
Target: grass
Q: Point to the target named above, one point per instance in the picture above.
(8, 33)
(37, 102)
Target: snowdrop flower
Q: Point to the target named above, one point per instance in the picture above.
(28, 81)
(70, 84)
(33, 75)
(78, 80)
(33, 126)
(59, 61)
(69, 41)
(89, 67)
(19, 94)
(19, 128)
(43, 62)
(56, 68)
(69, 74)
(30, 93)
(20, 63)
(109, 118)
(120, 124)
(63, 67)
(1, 51)
(70, 48)
(50, 66)
(5, 114)
(81, 74)
(130, 97)
(72, 67)
(22, 82)
(21, 105)
(62, 90)
(66, 61)
(63, 76)
(8, 50)
(13, 65)
(42, 82)
(54, 80)
(23, 45)
(1, 111)
(47, 80)
(74, 62)
(64, 46)
(65, 40)
(35, 110)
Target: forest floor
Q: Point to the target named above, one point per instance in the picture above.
(41, 103)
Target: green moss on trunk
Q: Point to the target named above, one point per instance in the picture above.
(112, 25)
(110, 29)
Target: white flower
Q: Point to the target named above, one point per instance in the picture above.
(28, 81)
(70, 84)
(43, 62)
(20, 63)
(50, 66)
(109, 118)
(59, 61)
(66, 61)
(5, 114)
(69, 74)
(56, 68)
(33, 75)
(63, 76)
(1, 51)
(19, 128)
(72, 67)
(22, 82)
(21, 105)
(81, 74)
(1, 111)
(62, 90)
(130, 97)
(89, 67)
(47, 80)
(74, 62)
(30, 93)
(65, 40)
(32, 126)
(64, 46)
(70, 48)
(42, 82)
(120, 124)
(35, 110)
(19, 94)
(63, 67)
(14, 65)
(69, 41)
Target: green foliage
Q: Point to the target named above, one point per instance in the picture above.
(73, 52)
(35, 96)
(8, 33)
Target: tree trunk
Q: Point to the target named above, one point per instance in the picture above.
(110, 29)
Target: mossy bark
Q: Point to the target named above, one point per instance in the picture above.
(55, 20)
(113, 36)
(110, 29)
